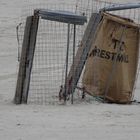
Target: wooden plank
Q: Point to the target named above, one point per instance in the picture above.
(30, 57)
(82, 52)
(21, 73)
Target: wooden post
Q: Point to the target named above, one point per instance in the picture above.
(26, 60)
(30, 56)
(21, 72)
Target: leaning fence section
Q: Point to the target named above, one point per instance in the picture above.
(49, 63)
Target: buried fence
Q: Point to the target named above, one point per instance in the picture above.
(56, 48)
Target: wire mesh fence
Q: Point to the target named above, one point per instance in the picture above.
(49, 64)
(48, 71)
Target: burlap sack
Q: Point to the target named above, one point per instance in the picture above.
(111, 66)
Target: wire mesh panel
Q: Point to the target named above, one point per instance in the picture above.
(48, 71)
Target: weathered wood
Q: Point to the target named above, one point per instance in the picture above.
(21, 73)
(83, 50)
(30, 56)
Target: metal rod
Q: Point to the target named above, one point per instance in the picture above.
(62, 16)
(67, 61)
(121, 7)
(73, 81)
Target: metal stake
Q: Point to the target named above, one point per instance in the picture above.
(73, 84)
(67, 61)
